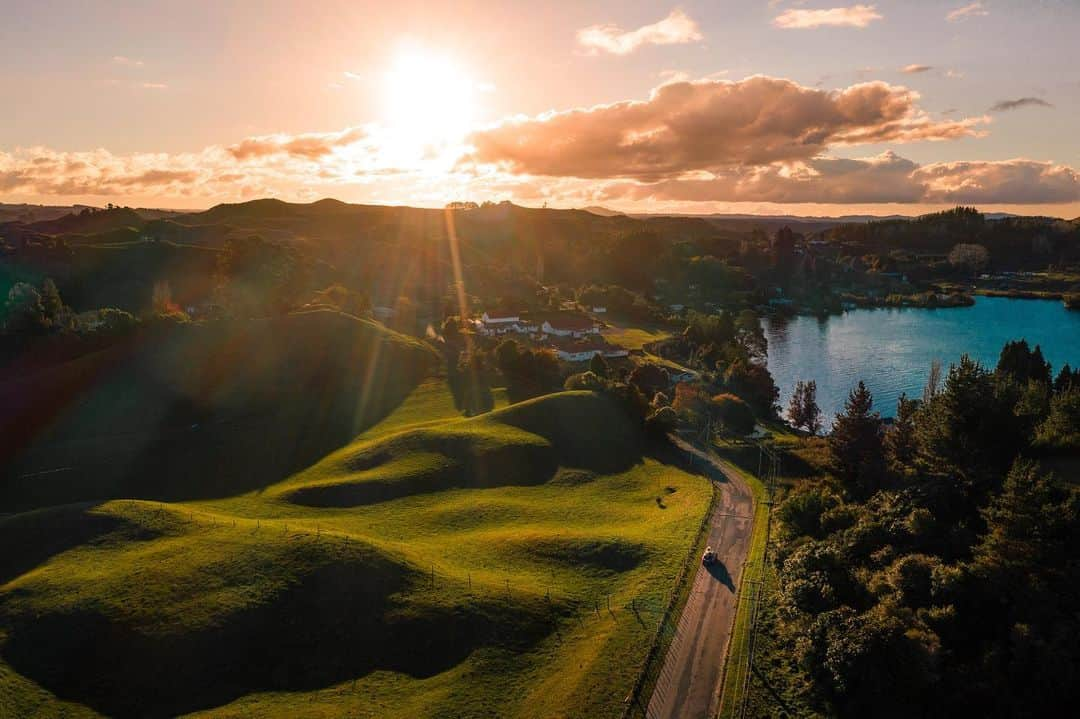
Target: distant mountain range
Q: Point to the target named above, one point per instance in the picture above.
(837, 219)
(28, 213)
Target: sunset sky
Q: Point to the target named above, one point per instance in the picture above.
(717, 106)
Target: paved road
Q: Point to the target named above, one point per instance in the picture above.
(689, 682)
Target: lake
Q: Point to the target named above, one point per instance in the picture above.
(892, 349)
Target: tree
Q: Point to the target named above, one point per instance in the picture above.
(649, 378)
(584, 381)
(1020, 364)
(803, 411)
(855, 444)
(528, 373)
(661, 421)
(24, 313)
(1020, 519)
(751, 335)
(800, 514)
(691, 402)
(702, 329)
(598, 366)
(753, 383)
(733, 414)
(1061, 430)
(1067, 379)
(970, 257)
(933, 381)
(470, 383)
(969, 428)
(115, 322)
(900, 441)
(51, 303)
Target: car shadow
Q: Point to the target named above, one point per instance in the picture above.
(720, 573)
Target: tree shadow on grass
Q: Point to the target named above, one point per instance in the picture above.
(200, 413)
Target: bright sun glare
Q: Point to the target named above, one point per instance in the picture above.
(428, 98)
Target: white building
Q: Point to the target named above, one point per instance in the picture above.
(490, 319)
(585, 349)
(569, 325)
(497, 325)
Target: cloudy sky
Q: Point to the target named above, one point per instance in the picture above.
(718, 106)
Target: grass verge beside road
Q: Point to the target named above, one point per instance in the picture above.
(738, 660)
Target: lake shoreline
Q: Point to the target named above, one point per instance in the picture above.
(892, 348)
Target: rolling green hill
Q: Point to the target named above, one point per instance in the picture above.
(200, 410)
(510, 564)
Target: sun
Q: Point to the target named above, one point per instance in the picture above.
(428, 98)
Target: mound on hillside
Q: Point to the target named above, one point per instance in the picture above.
(524, 444)
(31, 538)
(603, 556)
(201, 616)
(196, 411)
(89, 222)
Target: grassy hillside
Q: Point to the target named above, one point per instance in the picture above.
(200, 410)
(511, 564)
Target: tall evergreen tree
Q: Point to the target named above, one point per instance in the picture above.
(969, 428)
(1067, 378)
(900, 441)
(856, 444)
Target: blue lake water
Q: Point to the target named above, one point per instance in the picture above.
(892, 349)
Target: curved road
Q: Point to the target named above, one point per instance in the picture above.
(689, 682)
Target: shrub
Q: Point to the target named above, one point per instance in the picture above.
(584, 381)
(801, 513)
(734, 414)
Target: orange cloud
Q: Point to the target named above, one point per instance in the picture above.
(310, 146)
(855, 16)
(887, 178)
(1018, 181)
(675, 29)
(256, 165)
(707, 125)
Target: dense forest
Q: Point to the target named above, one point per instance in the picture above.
(934, 570)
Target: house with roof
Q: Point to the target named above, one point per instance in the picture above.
(498, 324)
(585, 348)
(499, 318)
(569, 324)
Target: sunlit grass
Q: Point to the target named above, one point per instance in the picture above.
(540, 562)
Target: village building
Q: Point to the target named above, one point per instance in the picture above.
(569, 324)
(584, 349)
(498, 324)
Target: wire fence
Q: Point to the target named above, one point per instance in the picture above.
(572, 605)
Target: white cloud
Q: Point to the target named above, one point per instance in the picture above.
(123, 60)
(676, 29)
(855, 16)
(915, 69)
(974, 9)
